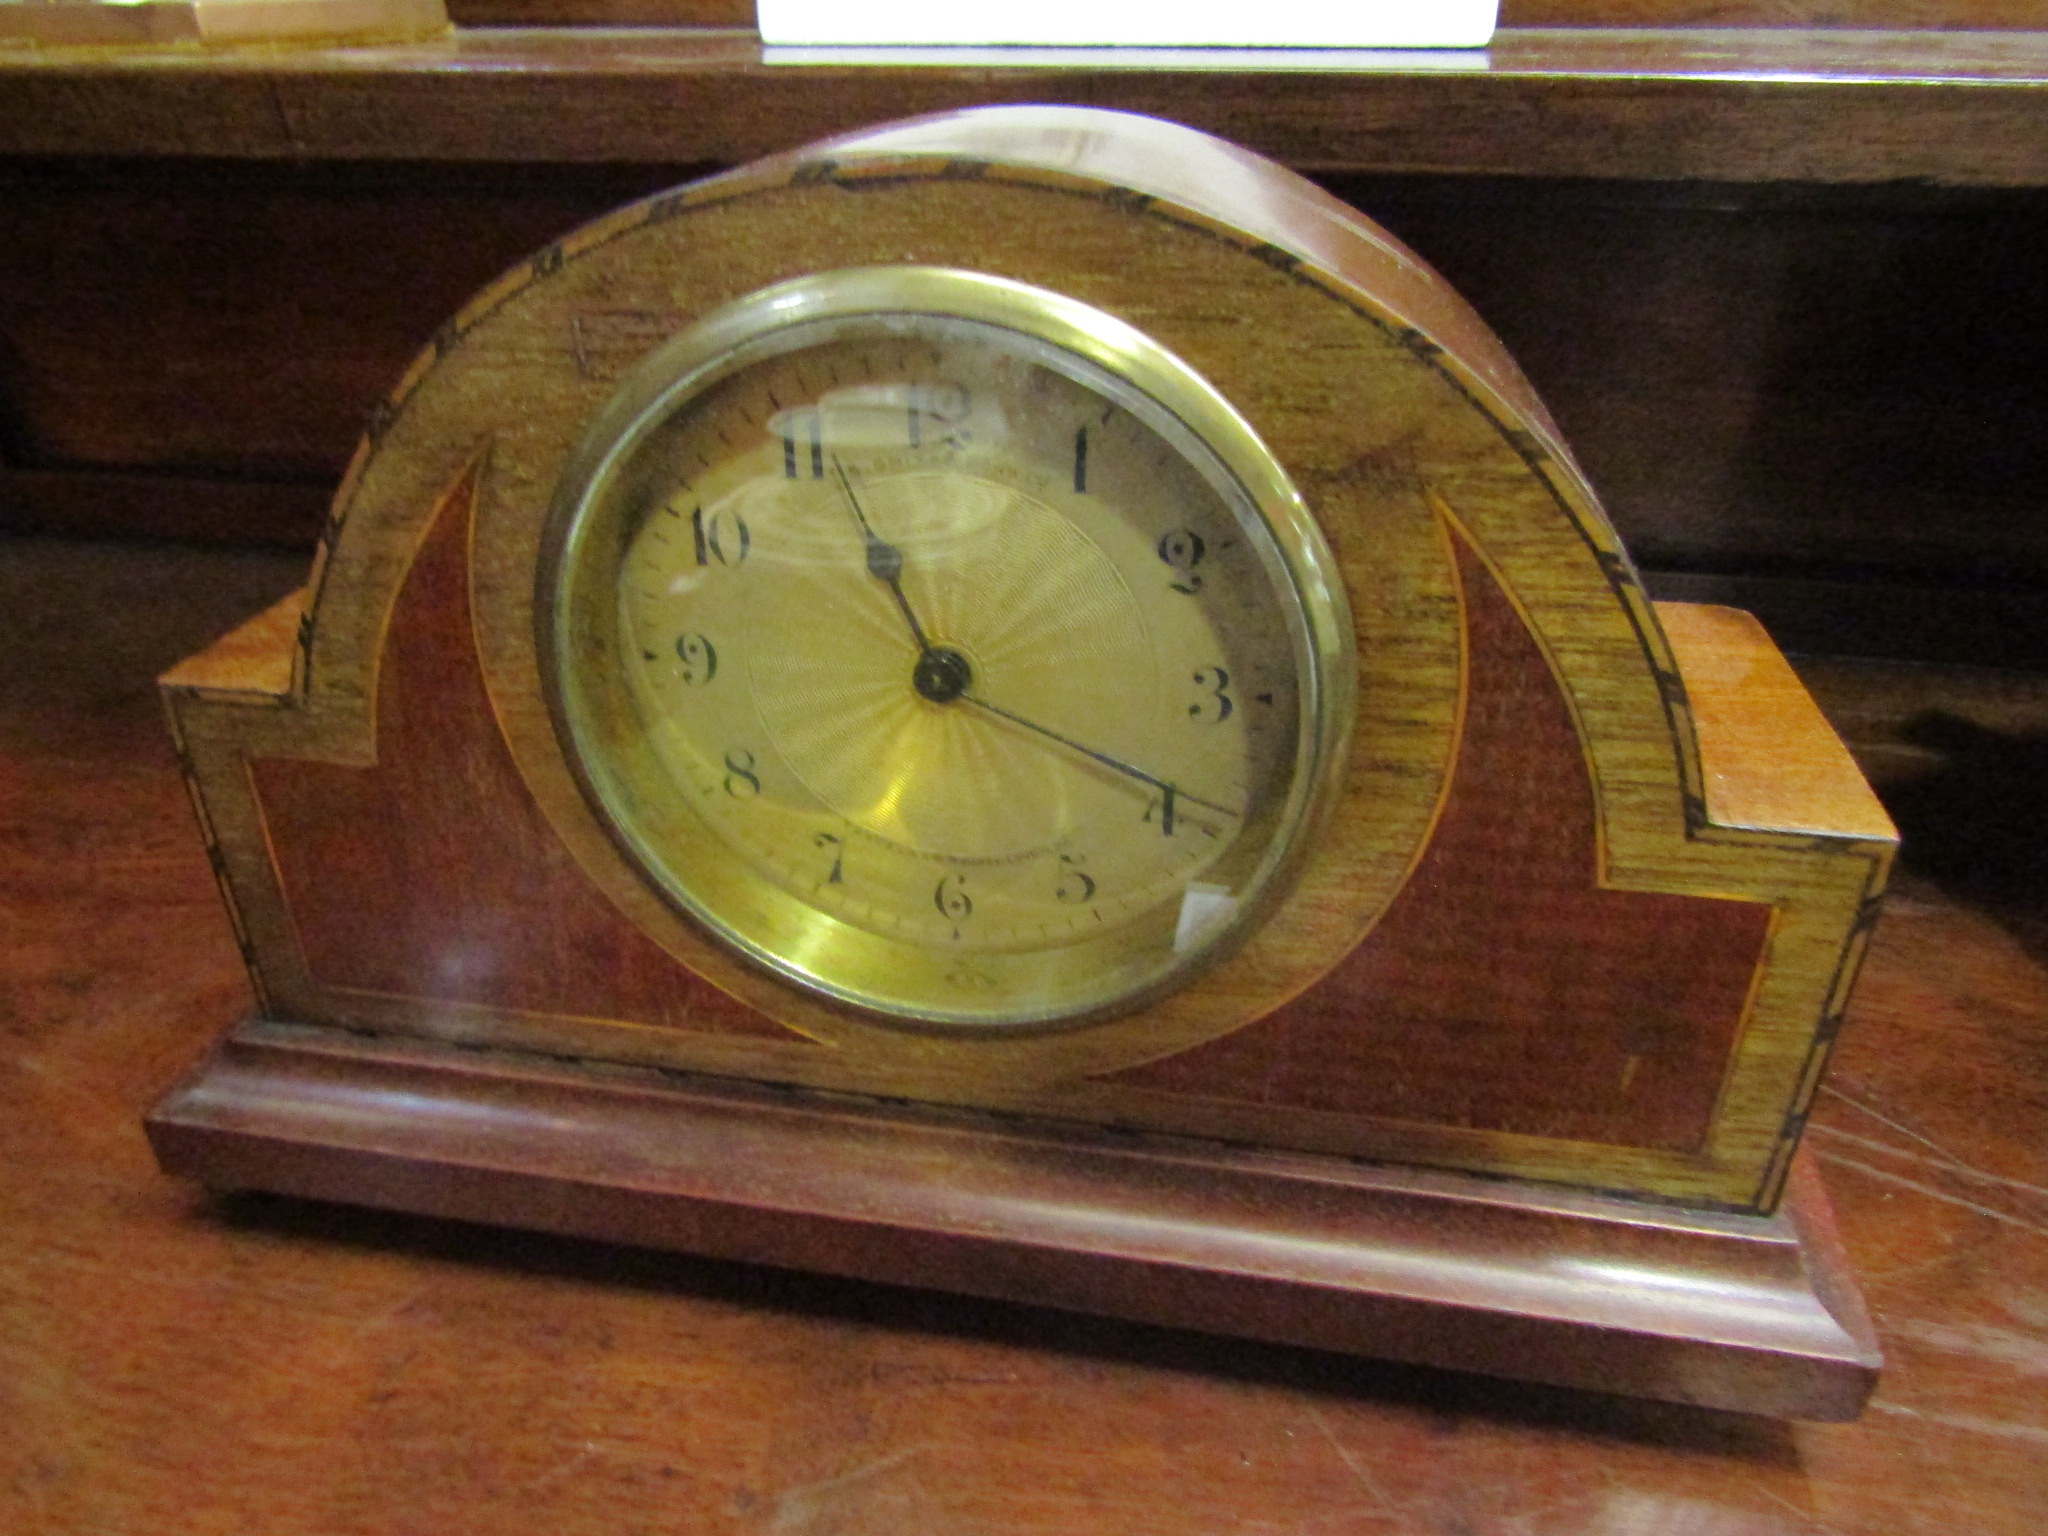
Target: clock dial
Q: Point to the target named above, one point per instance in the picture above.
(935, 663)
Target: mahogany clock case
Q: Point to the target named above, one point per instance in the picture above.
(1585, 917)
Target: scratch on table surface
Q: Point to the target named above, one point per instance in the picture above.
(1938, 1194)
(287, 129)
(796, 1507)
(2003, 1428)
(1947, 1164)
(2022, 1351)
(2027, 1303)
(559, 1469)
(1365, 1478)
(1942, 1157)
(608, 1448)
(1812, 1521)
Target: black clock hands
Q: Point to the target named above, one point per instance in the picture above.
(943, 674)
(1169, 794)
(885, 561)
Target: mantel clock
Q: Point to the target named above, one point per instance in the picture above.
(1024, 702)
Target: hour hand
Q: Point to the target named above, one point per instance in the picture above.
(885, 560)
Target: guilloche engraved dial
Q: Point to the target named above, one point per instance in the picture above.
(909, 640)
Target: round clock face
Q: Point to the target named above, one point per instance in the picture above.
(946, 647)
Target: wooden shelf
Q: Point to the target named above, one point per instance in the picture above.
(1737, 105)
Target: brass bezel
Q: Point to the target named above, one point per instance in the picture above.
(905, 984)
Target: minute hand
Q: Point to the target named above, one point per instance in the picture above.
(1170, 791)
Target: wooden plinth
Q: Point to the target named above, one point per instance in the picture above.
(1744, 1312)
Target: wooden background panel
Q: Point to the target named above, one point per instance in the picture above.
(211, 319)
(1786, 386)
(1792, 379)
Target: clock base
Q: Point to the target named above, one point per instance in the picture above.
(1743, 1312)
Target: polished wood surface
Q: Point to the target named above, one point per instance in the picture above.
(1472, 1017)
(171, 1361)
(438, 851)
(1755, 1313)
(408, 850)
(1763, 104)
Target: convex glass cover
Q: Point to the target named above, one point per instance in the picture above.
(945, 646)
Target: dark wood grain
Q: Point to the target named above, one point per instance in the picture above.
(1614, 1044)
(1756, 105)
(1862, 432)
(1853, 615)
(420, 876)
(1800, 381)
(173, 1362)
(200, 321)
(89, 502)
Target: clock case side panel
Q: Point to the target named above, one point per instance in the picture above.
(384, 867)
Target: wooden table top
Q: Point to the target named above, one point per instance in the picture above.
(176, 1362)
